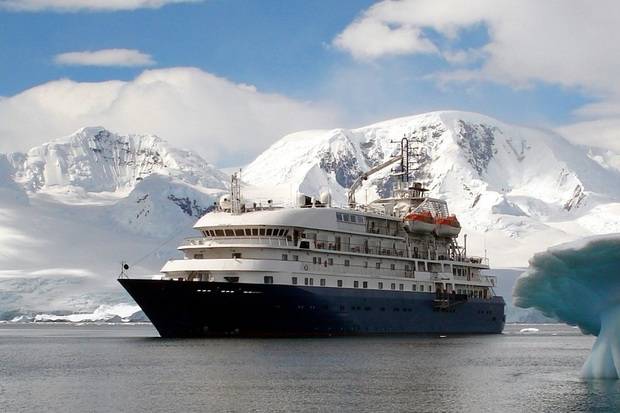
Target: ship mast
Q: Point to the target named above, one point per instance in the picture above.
(235, 189)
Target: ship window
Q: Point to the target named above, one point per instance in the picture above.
(421, 266)
(347, 263)
(430, 288)
(294, 280)
(345, 217)
(284, 257)
(318, 260)
(453, 271)
(229, 233)
(219, 232)
(378, 265)
(322, 282)
(198, 256)
(338, 216)
(236, 255)
(269, 232)
(261, 231)
(339, 283)
(239, 233)
(393, 286)
(356, 284)
(414, 287)
(330, 261)
(365, 284)
(314, 260)
(311, 281)
(406, 267)
(446, 268)
(306, 281)
(392, 267)
(255, 232)
(380, 285)
(268, 279)
(295, 257)
(401, 287)
(365, 264)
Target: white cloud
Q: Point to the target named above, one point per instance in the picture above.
(85, 5)
(603, 133)
(568, 43)
(370, 38)
(105, 57)
(189, 107)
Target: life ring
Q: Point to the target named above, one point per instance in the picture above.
(305, 267)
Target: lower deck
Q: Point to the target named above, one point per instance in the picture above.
(202, 309)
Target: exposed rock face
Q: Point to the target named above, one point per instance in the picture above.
(477, 142)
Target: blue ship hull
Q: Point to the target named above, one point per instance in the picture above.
(211, 309)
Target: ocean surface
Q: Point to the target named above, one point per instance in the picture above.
(128, 368)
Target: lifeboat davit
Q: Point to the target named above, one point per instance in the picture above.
(447, 226)
(421, 222)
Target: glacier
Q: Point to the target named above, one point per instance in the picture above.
(579, 283)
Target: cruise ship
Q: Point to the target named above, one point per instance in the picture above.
(391, 266)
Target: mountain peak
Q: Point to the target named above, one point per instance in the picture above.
(97, 160)
(468, 158)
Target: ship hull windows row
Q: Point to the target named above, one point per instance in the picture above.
(439, 288)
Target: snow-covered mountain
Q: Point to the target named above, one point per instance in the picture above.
(508, 184)
(73, 208)
(149, 182)
(97, 160)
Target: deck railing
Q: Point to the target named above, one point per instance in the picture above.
(331, 246)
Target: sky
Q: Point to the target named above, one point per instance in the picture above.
(227, 78)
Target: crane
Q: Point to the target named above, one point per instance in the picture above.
(366, 175)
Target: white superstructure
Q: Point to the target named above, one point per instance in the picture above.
(406, 242)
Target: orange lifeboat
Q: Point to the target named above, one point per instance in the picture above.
(447, 226)
(422, 221)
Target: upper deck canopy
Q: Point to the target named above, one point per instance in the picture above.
(316, 218)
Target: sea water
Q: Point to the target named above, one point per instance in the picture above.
(106, 368)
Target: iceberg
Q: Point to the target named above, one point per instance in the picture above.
(103, 313)
(579, 283)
